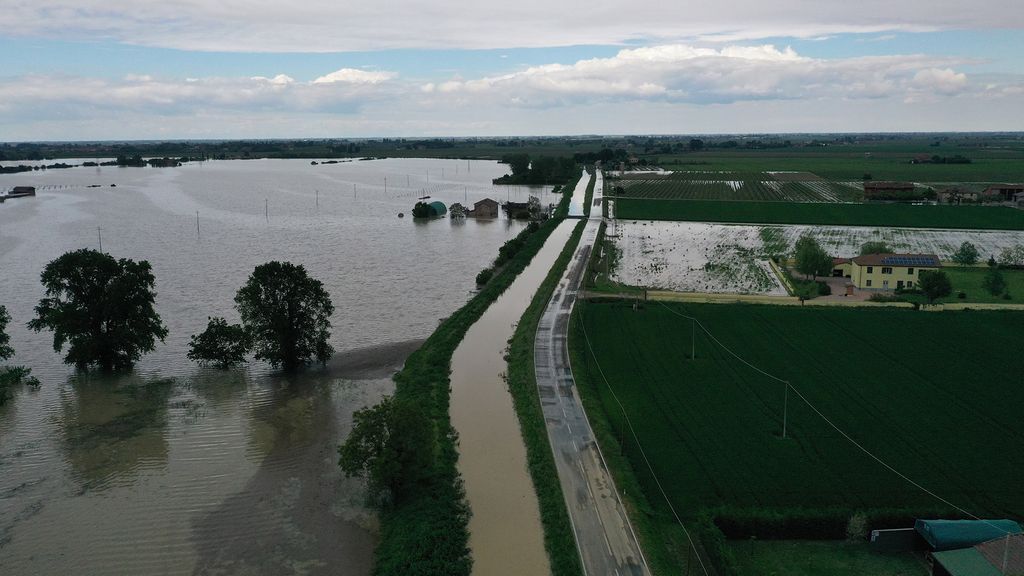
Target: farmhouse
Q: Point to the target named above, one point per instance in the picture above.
(884, 271)
(1003, 192)
(485, 208)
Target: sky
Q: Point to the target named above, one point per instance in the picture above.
(115, 70)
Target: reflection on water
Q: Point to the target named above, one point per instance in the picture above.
(111, 427)
(175, 469)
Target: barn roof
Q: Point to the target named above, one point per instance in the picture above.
(952, 534)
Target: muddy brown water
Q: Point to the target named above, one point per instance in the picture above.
(176, 469)
(506, 536)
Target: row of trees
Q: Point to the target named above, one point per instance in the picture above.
(101, 310)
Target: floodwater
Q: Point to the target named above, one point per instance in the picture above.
(176, 469)
(505, 533)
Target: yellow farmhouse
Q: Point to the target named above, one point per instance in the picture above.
(884, 271)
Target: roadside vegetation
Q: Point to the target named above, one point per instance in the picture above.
(423, 527)
(711, 427)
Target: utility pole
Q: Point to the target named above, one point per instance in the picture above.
(318, 200)
(266, 209)
(99, 234)
(385, 185)
(197, 223)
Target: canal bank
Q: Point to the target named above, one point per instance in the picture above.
(505, 533)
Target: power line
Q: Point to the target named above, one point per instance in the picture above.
(790, 386)
(642, 453)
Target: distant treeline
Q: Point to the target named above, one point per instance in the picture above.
(539, 170)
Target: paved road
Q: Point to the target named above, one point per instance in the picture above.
(604, 537)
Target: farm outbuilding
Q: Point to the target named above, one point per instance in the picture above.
(438, 209)
(485, 208)
(1004, 192)
(997, 557)
(953, 534)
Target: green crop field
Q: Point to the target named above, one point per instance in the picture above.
(936, 394)
(762, 186)
(894, 215)
(810, 558)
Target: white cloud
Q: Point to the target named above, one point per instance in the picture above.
(666, 88)
(681, 73)
(329, 25)
(68, 96)
(354, 76)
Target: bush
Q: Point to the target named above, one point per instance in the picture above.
(221, 344)
(824, 289)
(961, 295)
(1006, 296)
(484, 276)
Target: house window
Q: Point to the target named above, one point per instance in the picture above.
(910, 271)
(869, 284)
(871, 269)
(886, 270)
(910, 283)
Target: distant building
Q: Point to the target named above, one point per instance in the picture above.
(1003, 192)
(485, 208)
(884, 271)
(956, 195)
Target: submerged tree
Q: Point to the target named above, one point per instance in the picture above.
(286, 315)
(5, 349)
(101, 308)
(221, 344)
(391, 445)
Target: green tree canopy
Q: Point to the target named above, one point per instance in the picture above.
(221, 344)
(392, 445)
(101, 308)
(5, 349)
(994, 282)
(935, 284)
(875, 247)
(286, 315)
(811, 258)
(966, 254)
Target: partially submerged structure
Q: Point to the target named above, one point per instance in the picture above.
(485, 208)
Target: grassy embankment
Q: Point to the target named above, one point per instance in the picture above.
(522, 383)
(894, 379)
(426, 532)
(894, 215)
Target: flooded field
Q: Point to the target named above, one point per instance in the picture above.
(720, 258)
(176, 469)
